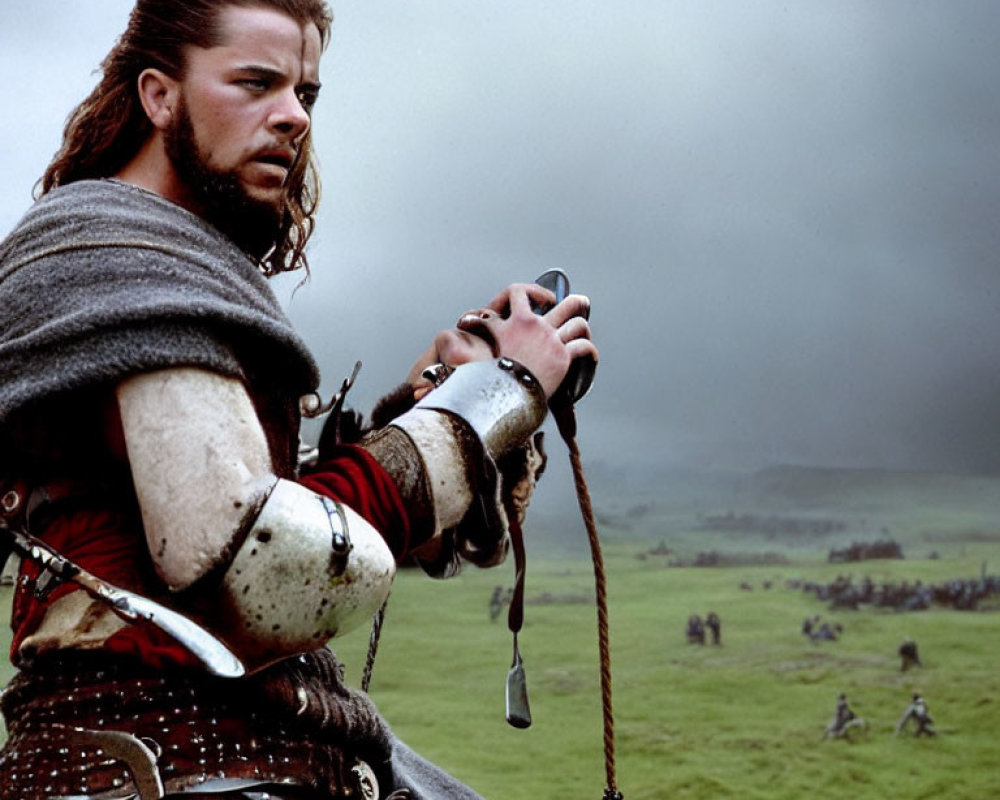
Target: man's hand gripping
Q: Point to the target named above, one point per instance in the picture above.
(525, 322)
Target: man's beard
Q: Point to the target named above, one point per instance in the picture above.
(254, 225)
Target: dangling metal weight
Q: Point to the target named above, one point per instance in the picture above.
(518, 710)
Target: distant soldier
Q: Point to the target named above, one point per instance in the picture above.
(827, 632)
(908, 655)
(715, 626)
(917, 711)
(496, 602)
(844, 720)
(695, 630)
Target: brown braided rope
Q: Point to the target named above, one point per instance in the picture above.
(373, 639)
(566, 421)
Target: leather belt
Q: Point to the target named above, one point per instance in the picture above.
(111, 734)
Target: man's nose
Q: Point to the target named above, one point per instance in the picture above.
(288, 116)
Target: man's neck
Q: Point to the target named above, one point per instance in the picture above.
(151, 169)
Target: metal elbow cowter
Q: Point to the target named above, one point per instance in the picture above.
(308, 570)
(267, 565)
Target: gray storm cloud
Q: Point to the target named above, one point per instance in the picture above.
(785, 214)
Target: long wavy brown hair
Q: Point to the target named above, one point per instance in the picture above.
(107, 129)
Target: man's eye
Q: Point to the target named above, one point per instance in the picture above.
(308, 98)
(254, 84)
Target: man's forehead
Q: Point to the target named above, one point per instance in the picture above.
(268, 35)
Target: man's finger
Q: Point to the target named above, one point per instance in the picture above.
(517, 293)
(575, 305)
(574, 328)
(579, 348)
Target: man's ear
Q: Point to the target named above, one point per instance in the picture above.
(158, 93)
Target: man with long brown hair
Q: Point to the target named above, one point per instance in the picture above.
(180, 561)
(110, 129)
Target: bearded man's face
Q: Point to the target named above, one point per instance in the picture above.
(241, 119)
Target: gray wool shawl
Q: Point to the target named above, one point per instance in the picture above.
(102, 279)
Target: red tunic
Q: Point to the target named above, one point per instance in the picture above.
(107, 541)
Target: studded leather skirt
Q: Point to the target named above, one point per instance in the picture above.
(86, 726)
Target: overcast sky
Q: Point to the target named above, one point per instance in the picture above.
(785, 213)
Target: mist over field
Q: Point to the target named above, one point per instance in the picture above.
(785, 214)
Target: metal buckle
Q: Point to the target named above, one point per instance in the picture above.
(366, 780)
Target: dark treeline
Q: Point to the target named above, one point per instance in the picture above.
(772, 525)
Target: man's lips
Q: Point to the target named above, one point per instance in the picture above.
(278, 157)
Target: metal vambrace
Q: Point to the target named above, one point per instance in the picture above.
(499, 401)
(309, 569)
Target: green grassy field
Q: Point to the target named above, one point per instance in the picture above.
(742, 720)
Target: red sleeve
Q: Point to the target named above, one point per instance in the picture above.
(353, 477)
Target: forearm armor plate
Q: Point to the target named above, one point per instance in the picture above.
(500, 399)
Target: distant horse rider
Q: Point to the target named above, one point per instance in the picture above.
(844, 720)
(917, 711)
